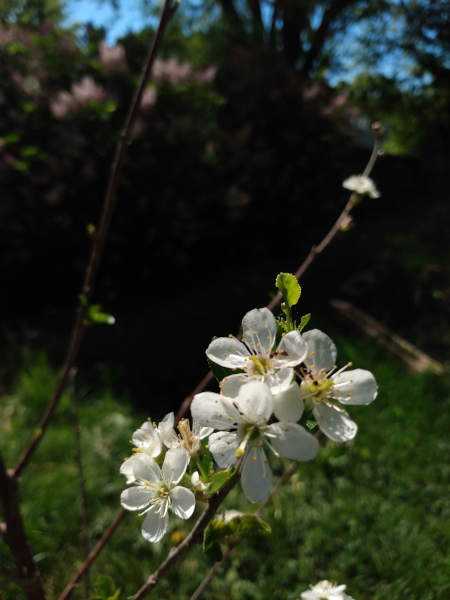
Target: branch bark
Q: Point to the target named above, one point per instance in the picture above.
(15, 537)
(100, 237)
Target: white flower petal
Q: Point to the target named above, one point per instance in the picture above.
(127, 466)
(259, 326)
(197, 483)
(334, 422)
(175, 465)
(205, 431)
(295, 346)
(147, 438)
(287, 405)
(223, 446)
(256, 477)
(146, 468)
(321, 352)
(231, 384)
(135, 498)
(255, 401)
(228, 352)
(290, 440)
(213, 410)
(155, 523)
(166, 431)
(183, 502)
(281, 380)
(354, 387)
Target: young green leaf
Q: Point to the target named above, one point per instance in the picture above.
(105, 586)
(210, 546)
(311, 424)
(245, 524)
(220, 479)
(304, 322)
(289, 287)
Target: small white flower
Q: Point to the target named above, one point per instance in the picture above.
(187, 440)
(324, 590)
(197, 483)
(156, 489)
(321, 383)
(245, 421)
(361, 185)
(255, 354)
(146, 439)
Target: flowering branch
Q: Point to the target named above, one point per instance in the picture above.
(99, 237)
(14, 535)
(378, 130)
(194, 537)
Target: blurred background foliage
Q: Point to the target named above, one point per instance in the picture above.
(248, 127)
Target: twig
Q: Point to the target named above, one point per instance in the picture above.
(315, 250)
(81, 478)
(100, 236)
(194, 537)
(93, 555)
(14, 535)
(233, 543)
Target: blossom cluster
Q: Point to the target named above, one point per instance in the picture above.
(274, 378)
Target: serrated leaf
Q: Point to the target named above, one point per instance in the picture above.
(207, 459)
(105, 586)
(304, 322)
(245, 524)
(311, 424)
(219, 479)
(289, 287)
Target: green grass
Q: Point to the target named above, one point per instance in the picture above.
(373, 513)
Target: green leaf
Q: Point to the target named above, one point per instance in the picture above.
(95, 315)
(219, 479)
(207, 459)
(304, 322)
(218, 371)
(105, 586)
(116, 595)
(289, 287)
(311, 424)
(210, 546)
(10, 138)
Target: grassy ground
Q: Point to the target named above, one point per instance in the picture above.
(373, 513)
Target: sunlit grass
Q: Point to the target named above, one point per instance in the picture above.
(374, 513)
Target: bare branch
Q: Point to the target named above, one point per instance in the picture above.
(15, 537)
(93, 555)
(99, 238)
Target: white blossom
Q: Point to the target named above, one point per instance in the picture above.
(146, 439)
(188, 440)
(362, 185)
(324, 590)
(321, 383)
(255, 354)
(198, 483)
(243, 425)
(155, 490)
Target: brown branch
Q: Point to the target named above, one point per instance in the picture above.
(81, 477)
(93, 555)
(100, 236)
(16, 538)
(194, 537)
(315, 250)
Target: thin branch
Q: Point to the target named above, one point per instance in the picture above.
(315, 250)
(100, 237)
(81, 477)
(194, 537)
(93, 555)
(14, 535)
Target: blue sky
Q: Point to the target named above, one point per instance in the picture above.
(129, 17)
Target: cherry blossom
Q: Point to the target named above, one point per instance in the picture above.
(155, 490)
(189, 440)
(255, 355)
(362, 185)
(324, 590)
(244, 428)
(321, 383)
